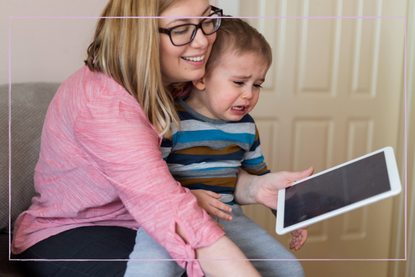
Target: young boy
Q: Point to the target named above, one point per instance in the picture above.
(217, 136)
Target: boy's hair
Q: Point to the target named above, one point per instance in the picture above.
(127, 49)
(238, 36)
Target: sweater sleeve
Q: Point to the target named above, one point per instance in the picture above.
(124, 148)
(253, 160)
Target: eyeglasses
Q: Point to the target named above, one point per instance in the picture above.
(184, 34)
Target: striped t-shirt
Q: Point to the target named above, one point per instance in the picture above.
(206, 153)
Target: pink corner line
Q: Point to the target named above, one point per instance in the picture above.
(243, 17)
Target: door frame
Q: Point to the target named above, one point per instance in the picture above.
(403, 237)
(410, 263)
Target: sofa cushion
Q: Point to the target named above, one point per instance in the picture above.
(29, 103)
(8, 268)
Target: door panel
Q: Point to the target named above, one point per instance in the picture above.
(332, 94)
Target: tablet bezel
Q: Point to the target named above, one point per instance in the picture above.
(394, 181)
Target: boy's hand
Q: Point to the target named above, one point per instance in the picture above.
(208, 200)
(299, 238)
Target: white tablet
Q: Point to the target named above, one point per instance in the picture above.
(337, 190)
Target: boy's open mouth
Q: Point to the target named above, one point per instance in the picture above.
(239, 108)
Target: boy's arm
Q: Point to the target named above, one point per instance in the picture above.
(253, 160)
(255, 183)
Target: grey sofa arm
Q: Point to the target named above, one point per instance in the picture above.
(29, 103)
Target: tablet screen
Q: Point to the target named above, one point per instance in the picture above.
(336, 189)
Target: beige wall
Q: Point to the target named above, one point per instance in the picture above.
(51, 49)
(46, 50)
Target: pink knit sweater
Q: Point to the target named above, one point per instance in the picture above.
(100, 164)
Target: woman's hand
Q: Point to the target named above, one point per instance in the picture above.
(208, 200)
(251, 189)
(299, 238)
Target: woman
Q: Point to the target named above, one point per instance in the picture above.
(100, 175)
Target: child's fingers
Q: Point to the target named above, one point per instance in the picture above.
(220, 214)
(213, 194)
(208, 201)
(220, 205)
(299, 238)
(295, 245)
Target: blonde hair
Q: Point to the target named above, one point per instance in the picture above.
(239, 37)
(128, 50)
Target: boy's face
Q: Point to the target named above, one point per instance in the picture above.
(231, 90)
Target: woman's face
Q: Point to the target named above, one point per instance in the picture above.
(184, 63)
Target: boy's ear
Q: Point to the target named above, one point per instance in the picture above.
(200, 84)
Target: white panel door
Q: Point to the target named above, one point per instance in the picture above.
(333, 93)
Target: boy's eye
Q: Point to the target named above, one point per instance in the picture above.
(239, 83)
(257, 86)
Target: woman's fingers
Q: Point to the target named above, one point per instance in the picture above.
(295, 176)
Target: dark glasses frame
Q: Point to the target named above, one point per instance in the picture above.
(215, 11)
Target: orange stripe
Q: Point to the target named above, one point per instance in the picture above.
(179, 108)
(205, 150)
(229, 182)
(257, 172)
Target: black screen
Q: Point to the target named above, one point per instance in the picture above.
(336, 189)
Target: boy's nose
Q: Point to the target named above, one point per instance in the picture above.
(247, 94)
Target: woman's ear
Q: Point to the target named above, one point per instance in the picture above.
(200, 84)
